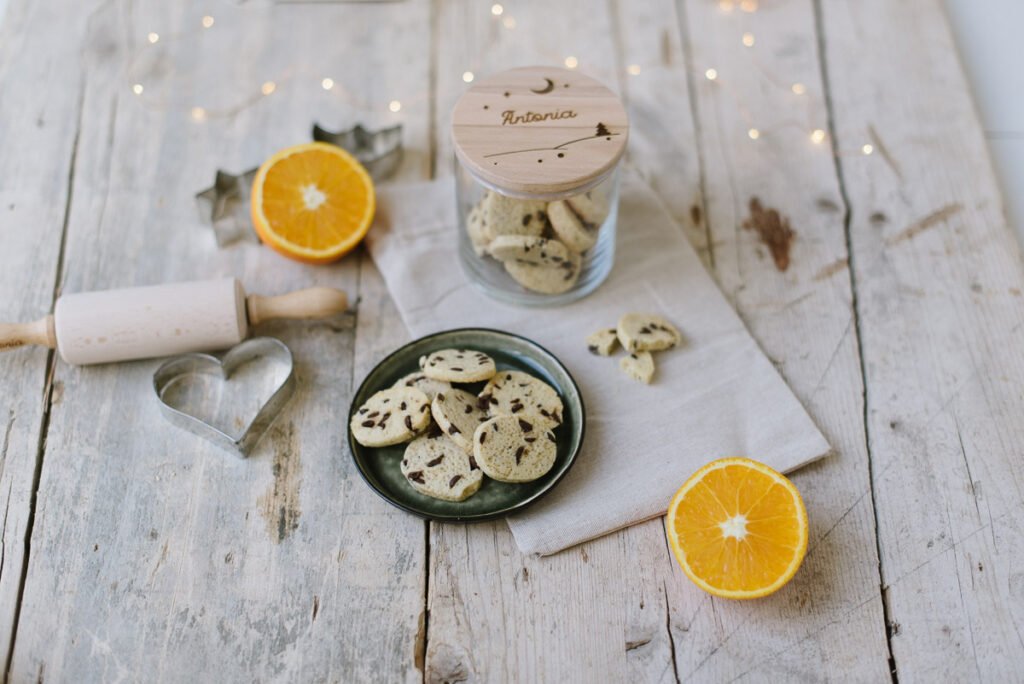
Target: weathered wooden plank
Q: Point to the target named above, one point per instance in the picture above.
(37, 153)
(154, 555)
(496, 613)
(828, 624)
(655, 84)
(938, 279)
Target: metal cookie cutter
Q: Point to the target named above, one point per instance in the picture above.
(379, 151)
(225, 206)
(174, 376)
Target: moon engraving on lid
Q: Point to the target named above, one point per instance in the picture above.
(546, 89)
(539, 131)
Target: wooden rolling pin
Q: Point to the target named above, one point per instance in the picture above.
(144, 322)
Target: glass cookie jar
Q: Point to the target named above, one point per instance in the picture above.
(537, 185)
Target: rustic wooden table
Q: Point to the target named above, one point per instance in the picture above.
(132, 551)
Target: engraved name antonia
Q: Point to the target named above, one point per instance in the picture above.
(510, 117)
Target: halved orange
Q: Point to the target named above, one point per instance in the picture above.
(738, 528)
(312, 202)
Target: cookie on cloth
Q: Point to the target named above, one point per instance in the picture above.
(438, 467)
(646, 332)
(391, 416)
(639, 365)
(457, 365)
(513, 449)
(603, 342)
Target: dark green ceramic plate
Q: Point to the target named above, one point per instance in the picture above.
(380, 467)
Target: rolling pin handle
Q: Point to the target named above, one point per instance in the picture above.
(315, 302)
(16, 335)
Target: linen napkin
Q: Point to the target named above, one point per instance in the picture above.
(716, 395)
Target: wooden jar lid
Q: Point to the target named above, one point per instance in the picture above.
(539, 130)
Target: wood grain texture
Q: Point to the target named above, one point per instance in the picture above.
(39, 139)
(828, 623)
(656, 82)
(887, 289)
(939, 281)
(155, 556)
(495, 613)
(539, 130)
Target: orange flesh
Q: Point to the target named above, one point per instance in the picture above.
(737, 530)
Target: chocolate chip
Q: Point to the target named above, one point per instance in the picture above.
(519, 453)
(401, 407)
(451, 482)
(457, 370)
(423, 409)
(385, 416)
(545, 413)
(592, 348)
(436, 461)
(526, 427)
(386, 400)
(472, 464)
(645, 330)
(373, 415)
(363, 410)
(516, 408)
(416, 476)
(556, 416)
(408, 422)
(529, 440)
(526, 219)
(483, 436)
(440, 397)
(367, 423)
(495, 426)
(405, 461)
(452, 430)
(469, 408)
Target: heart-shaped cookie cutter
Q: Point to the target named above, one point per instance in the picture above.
(206, 364)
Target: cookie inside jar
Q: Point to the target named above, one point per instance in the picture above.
(537, 156)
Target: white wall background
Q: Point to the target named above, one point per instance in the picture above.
(988, 34)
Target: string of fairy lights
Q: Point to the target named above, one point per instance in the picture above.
(199, 112)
